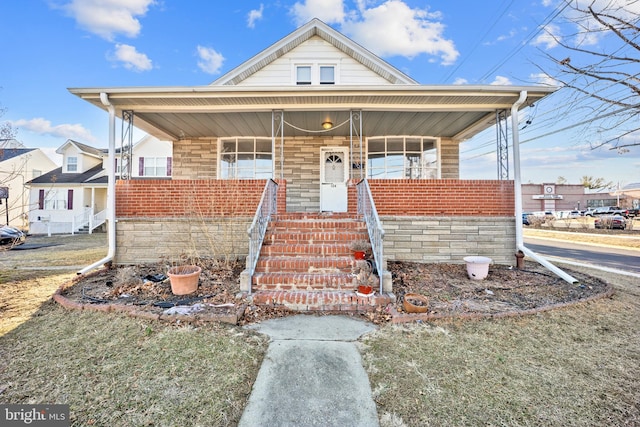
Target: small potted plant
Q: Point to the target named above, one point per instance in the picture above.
(360, 248)
(364, 279)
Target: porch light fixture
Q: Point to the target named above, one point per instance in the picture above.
(327, 125)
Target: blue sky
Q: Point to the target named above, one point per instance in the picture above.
(51, 45)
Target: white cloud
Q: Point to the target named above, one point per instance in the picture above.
(460, 81)
(328, 11)
(393, 28)
(130, 58)
(210, 60)
(501, 81)
(254, 15)
(107, 18)
(544, 79)
(43, 127)
(549, 37)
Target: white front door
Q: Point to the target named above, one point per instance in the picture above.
(334, 174)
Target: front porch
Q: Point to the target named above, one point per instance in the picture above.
(430, 221)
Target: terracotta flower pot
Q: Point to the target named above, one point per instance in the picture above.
(359, 254)
(365, 289)
(415, 303)
(184, 279)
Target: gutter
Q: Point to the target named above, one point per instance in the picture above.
(518, 196)
(111, 188)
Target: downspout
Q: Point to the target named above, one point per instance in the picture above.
(518, 196)
(111, 188)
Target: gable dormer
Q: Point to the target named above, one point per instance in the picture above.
(314, 55)
(77, 157)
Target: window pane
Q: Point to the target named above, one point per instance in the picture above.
(327, 75)
(303, 75)
(229, 146)
(263, 146)
(245, 146)
(376, 146)
(395, 144)
(414, 145)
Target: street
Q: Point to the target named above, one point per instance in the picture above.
(616, 258)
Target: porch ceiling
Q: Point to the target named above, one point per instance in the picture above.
(457, 112)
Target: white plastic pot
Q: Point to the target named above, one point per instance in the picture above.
(477, 266)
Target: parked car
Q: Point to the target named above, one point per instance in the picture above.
(605, 210)
(11, 236)
(525, 218)
(611, 221)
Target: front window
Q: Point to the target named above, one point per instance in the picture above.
(72, 164)
(56, 200)
(246, 158)
(402, 157)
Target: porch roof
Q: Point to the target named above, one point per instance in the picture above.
(173, 113)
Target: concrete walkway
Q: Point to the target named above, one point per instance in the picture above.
(312, 375)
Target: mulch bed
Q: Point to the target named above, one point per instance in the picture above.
(506, 290)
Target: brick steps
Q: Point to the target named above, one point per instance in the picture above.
(334, 301)
(305, 264)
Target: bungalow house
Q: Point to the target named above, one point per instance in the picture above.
(18, 165)
(73, 198)
(311, 133)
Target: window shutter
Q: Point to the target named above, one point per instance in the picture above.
(168, 166)
(70, 199)
(141, 166)
(41, 199)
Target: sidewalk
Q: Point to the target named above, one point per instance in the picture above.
(312, 375)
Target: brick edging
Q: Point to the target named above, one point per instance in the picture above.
(139, 313)
(398, 317)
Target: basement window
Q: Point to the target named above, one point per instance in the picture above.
(402, 157)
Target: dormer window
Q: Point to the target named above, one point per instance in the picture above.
(303, 74)
(315, 73)
(72, 164)
(327, 75)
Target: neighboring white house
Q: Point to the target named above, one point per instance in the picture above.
(18, 165)
(73, 197)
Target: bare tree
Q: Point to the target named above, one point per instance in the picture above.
(603, 77)
(595, 183)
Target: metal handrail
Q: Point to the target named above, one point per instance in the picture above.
(367, 208)
(258, 228)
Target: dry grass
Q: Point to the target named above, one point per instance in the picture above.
(117, 371)
(111, 369)
(578, 366)
(615, 238)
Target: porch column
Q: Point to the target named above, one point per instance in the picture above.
(277, 128)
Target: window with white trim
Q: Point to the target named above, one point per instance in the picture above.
(402, 157)
(327, 75)
(55, 199)
(315, 73)
(303, 75)
(72, 164)
(154, 166)
(245, 158)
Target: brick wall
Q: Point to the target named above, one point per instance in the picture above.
(192, 198)
(450, 197)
